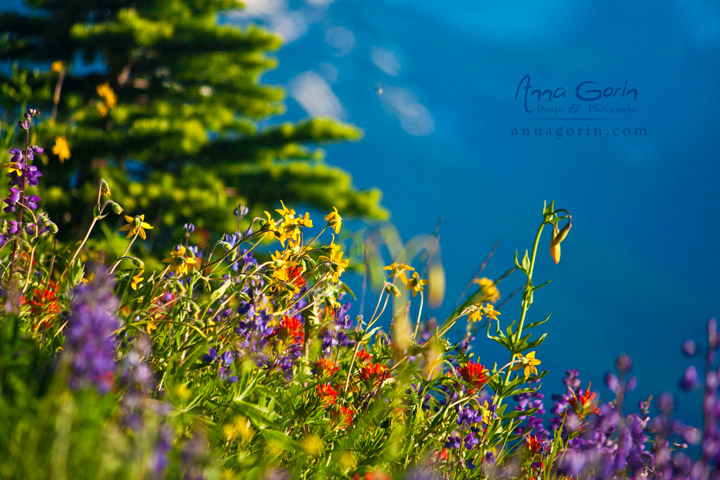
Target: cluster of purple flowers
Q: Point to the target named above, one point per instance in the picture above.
(334, 333)
(532, 401)
(90, 343)
(224, 362)
(22, 173)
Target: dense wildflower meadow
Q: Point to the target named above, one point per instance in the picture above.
(239, 359)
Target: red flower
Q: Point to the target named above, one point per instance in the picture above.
(43, 305)
(533, 444)
(327, 393)
(295, 276)
(474, 374)
(584, 405)
(325, 367)
(364, 357)
(290, 330)
(373, 372)
(345, 416)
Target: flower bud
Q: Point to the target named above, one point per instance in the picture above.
(116, 208)
(557, 238)
(391, 288)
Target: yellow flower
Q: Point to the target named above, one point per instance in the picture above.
(13, 168)
(415, 284)
(109, 99)
(335, 258)
(557, 237)
(479, 311)
(57, 66)
(136, 226)
(334, 220)
(528, 363)
(136, 280)
(61, 149)
(305, 221)
(397, 270)
(271, 224)
(489, 291)
(179, 262)
(107, 94)
(285, 212)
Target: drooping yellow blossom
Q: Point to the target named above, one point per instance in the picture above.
(488, 289)
(479, 311)
(557, 237)
(334, 220)
(136, 280)
(180, 262)
(109, 98)
(528, 363)
(61, 149)
(136, 226)
(57, 66)
(415, 284)
(397, 270)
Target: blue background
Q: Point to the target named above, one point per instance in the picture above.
(639, 268)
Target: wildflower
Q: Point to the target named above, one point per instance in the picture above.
(528, 363)
(89, 347)
(335, 258)
(136, 280)
(557, 237)
(584, 404)
(136, 226)
(533, 444)
(328, 395)
(690, 379)
(44, 305)
(488, 289)
(291, 330)
(325, 368)
(57, 66)
(397, 270)
(488, 311)
(470, 441)
(61, 149)
(373, 372)
(453, 441)
(179, 262)
(345, 416)
(334, 220)
(304, 221)
(474, 374)
(109, 98)
(364, 356)
(415, 284)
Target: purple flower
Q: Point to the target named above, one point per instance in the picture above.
(453, 441)
(470, 441)
(690, 379)
(89, 344)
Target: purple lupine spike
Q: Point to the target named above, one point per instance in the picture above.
(89, 345)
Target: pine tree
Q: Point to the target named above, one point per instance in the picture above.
(163, 102)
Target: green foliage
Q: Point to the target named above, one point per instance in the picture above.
(170, 117)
